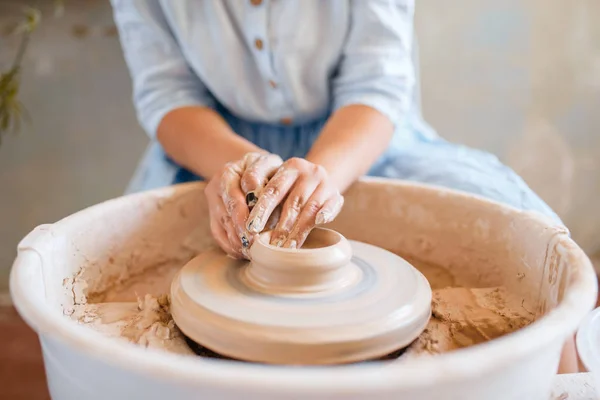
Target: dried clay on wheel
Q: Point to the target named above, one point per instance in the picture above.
(333, 301)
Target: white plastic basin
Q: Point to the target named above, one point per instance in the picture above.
(481, 242)
(588, 344)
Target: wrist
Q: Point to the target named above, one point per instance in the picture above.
(351, 141)
(199, 139)
(338, 174)
(236, 150)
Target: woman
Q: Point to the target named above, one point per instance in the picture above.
(281, 105)
(230, 89)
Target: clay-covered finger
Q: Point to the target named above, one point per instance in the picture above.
(306, 221)
(257, 174)
(248, 160)
(272, 195)
(292, 207)
(222, 228)
(330, 209)
(273, 219)
(234, 240)
(234, 198)
(220, 236)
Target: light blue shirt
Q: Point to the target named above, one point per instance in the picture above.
(268, 61)
(276, 62)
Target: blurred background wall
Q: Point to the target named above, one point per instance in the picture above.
(519, 78)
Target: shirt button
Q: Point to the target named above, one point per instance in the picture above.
(256, 2)
(286, 121)
(273, 84)
(258, 44)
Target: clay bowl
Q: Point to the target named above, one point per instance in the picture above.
(480, 242)
(330, 302)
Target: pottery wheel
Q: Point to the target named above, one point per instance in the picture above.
(333, 301)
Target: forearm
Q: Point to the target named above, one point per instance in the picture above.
(350, 143)
(199, 139)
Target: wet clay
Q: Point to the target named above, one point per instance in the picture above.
(463, 317)
(342, 302)
(315, 240)
(147, 323)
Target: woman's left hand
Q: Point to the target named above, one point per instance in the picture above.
(307, 197)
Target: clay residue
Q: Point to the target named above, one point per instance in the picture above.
(154, 282)
(318, 239)
(463, 317)
(438, 277)
(147, 323)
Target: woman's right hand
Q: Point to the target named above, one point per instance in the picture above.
(230, 195)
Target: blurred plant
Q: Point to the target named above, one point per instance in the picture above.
(12, 111)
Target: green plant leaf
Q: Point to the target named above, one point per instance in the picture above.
(11, 109)
(33, 16)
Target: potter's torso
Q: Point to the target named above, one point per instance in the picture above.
(278, 68)
(268, 61)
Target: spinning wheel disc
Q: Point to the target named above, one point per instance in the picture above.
(339, 303)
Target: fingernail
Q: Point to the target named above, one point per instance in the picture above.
(323, 217)
(251, 199)
(245, 242)
(254, 225)
(293, 244)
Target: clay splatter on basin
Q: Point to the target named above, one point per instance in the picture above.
(135, 311)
